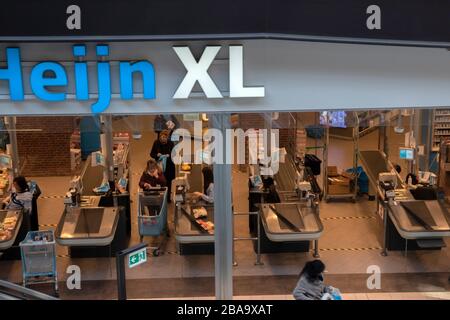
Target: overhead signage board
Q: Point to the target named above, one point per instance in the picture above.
(393, 20)
(46, 75)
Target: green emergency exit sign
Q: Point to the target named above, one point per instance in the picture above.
(137, 258)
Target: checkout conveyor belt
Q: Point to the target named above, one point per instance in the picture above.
(10, 223)
(374, 163)
(186, 229)
(92, 177)
(88, 226)
(290, 222)
(286, 175)
(420, 219)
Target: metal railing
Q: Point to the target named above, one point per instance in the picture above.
(9, 290)
(257, 238)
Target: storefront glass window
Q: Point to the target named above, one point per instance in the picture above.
(346, 187)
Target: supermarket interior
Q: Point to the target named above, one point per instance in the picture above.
(362, 190)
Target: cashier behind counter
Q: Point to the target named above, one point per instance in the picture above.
(21, 197)
(152, 176)
(208, 186)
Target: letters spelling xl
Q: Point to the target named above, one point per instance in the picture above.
(40, 78)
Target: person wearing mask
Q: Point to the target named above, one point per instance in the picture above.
(161, 152)
(21, 197)
(152, 176)
(208, 186)
(310, 285)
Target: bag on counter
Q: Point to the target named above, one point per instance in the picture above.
(162, 161)
(332, 294)
(313, 162)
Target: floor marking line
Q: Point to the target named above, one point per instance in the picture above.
(351, 249)
(347, 218)
(52, 197)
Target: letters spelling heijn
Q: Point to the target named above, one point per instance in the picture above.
(40, 79)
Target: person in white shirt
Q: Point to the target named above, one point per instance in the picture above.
(208, 186)
(21, 197)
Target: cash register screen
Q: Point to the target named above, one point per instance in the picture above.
(407, 153)
(5, 161)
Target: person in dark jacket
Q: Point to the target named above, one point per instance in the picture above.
(310, 285)
(152, 176)
(161, 152)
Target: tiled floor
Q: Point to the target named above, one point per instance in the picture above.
(279, 285)
(352, 296)
(340, 235)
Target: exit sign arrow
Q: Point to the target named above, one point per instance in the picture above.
(136, 258)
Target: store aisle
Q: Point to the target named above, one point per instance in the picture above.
(139, 155)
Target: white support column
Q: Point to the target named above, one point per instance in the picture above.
(223, 218)
(107, 146)
(11, 126)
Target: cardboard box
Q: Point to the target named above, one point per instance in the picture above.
(350, 176)
(338, 189)
(338, 185)
(332, 171)
(339, 180)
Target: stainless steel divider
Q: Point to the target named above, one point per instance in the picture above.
(257, 238)
(23, 292)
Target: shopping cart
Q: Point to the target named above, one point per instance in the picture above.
(152, 215)
(38, 252)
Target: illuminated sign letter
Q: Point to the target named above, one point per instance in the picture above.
(13, 74)
(126, 79)
(39, 81)
(197, 71)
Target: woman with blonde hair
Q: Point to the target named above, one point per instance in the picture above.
(152, 176)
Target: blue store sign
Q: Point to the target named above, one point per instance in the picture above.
(40, 79)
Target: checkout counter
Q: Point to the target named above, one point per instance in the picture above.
(94, 225)
(191, 232)
(12, 231)
(92, 231)
(411, 221)
(291, 224)
(14, 224)
(194, 220)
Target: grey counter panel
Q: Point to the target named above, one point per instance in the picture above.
(4, 245)
(185, 232)
(410, 229)
(87, 226)
(303, 217)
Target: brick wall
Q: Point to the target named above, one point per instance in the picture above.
(256, 120)
(45, 152)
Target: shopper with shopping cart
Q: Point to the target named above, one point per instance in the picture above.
(152, 204)
(152, 176)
